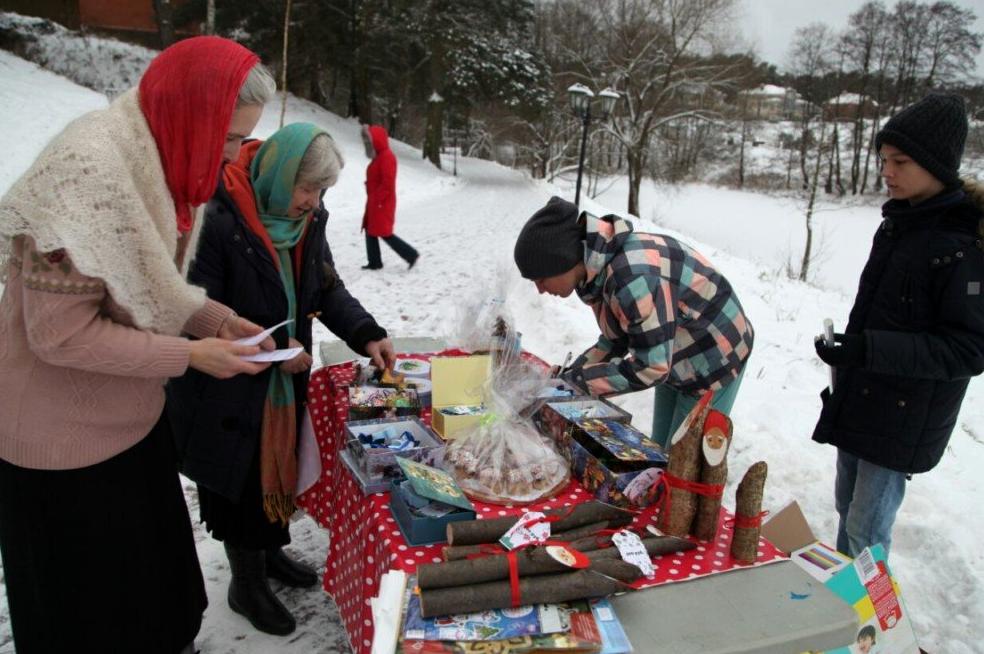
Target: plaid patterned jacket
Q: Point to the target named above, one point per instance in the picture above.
(666, 315)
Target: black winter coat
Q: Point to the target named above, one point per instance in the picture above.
(217, 422)
(920, 306)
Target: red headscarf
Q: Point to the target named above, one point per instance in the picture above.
(187, 95)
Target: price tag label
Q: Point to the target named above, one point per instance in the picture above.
(633, 551)
(530, 528)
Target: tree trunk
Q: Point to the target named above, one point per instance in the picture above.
(635, 162)
(741, 153)
(283, 66)
(804, 148)
(165, 21)
(210, 17)
(808, 248)
(435, 106)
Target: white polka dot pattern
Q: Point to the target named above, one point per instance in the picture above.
(358, 558)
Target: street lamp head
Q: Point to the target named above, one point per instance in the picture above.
(580, 99)
(608, 99)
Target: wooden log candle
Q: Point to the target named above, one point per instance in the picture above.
(474, 532)
(714, 470)
(540, 589)
(684, 465)
(536, 561)
(748, 509)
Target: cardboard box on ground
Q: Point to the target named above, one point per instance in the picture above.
(866, 584)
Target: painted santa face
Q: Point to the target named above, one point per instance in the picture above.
(715, 439)
(904, 178)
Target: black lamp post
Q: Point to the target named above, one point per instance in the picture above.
(581, 97)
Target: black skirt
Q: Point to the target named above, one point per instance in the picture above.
(242, 524)
(101, 558)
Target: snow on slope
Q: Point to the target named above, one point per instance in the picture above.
(465, 228)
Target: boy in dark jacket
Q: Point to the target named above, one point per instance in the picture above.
(668, 318)
(915, 335)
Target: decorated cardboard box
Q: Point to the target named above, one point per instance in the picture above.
(372, 402)
(458, 392)
(392, 440)
(425, 502)
(556, 417)
(867, 584)
(366, 485)
(613, 460)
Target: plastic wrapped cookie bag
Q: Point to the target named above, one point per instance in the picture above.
(504, 459)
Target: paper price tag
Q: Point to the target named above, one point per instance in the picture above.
(528, 529)
(633, 551)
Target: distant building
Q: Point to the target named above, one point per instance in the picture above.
(131, 20)
(844, 107)
(771, 102)
(699, 95)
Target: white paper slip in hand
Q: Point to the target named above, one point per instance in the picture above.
(256, 340)
(274, 355)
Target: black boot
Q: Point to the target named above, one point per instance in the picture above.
(291, 573)
(250, 594)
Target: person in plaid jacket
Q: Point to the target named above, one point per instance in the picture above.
(668, 318)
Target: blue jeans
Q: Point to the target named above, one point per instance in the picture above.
(867, 496)
(671, 407)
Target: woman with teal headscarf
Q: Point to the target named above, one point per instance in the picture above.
(263, 253)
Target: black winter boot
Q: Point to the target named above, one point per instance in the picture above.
(250, 594)
(289, 572)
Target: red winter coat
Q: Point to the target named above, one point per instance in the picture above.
(380, 186)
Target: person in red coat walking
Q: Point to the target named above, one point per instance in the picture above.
(380, 213)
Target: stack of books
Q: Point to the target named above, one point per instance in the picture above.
(582, 627)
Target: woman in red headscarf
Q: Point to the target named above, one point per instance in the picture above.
(98, 553)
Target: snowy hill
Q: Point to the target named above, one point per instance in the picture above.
(465, 227)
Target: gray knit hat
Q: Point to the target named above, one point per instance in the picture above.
(932, 132)
(551, 242)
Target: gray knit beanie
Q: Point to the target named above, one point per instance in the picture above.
(932, 132)
(551, 242)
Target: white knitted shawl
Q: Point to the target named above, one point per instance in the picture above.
(98, 190)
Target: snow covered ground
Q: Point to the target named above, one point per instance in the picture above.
(465, 228)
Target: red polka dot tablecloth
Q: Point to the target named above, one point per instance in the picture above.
(366, 541)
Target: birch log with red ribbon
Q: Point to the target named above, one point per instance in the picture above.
(540, 589)
(716, 441)
(475, 532)
(748, 513)
(677, 515)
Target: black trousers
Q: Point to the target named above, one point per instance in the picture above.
(401, 247)
(102, 558)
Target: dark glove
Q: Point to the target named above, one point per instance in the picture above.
(848, 350)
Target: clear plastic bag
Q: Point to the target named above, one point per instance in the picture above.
(504, 459)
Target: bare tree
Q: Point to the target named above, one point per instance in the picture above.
(811, 206)
(951, 47)
(283, 65)
(210, 17)
(650, 51)
(866, 32)
(811, 57)
(910, 23)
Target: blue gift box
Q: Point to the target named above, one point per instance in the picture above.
(416, 529)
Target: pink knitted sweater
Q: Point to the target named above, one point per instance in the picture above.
(78, 382)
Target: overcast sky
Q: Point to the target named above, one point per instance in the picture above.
(768, 25)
